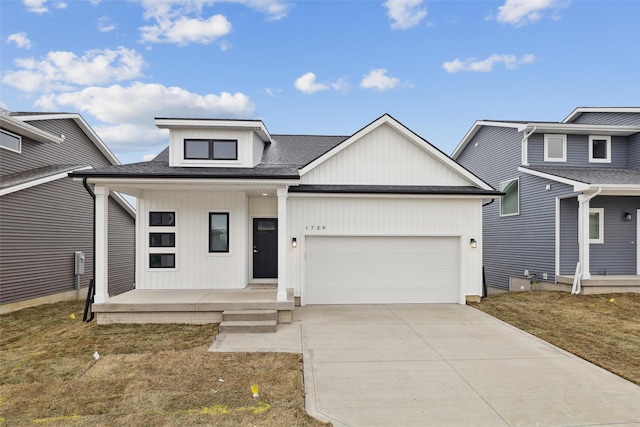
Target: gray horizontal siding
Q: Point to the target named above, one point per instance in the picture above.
(578, 151)
(618, 253)
(42, 227)
(623, 119)
(569, 250)
(633, 151)
(121, 249)
(75, 149)
(40, 230)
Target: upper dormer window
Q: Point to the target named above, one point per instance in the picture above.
(210, 149)
(555, 148)
(599, 149)
(10, 141)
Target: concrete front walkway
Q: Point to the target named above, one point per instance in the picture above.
(439, 365)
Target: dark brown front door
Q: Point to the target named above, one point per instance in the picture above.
(265, 248)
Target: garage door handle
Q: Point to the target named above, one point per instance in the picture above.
(255, 251)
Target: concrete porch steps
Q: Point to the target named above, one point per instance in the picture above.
(249, 321)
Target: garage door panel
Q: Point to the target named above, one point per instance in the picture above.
(367, 270)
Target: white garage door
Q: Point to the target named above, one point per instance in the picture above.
(381, 270)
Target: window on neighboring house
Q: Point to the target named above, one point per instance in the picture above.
(162, 260)
(510, 202)
(596, 225)
(599, 149)
(555, 148)
(210, 149)
(162, 219)
(10, 141)
(162, 240)
(218, 232)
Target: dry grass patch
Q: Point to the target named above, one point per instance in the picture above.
(146, 375)
(603, 329)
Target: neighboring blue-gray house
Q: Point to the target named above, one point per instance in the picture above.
(565, 183)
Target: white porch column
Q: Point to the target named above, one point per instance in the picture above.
(583, 235)
(283, 244)
(101, 279)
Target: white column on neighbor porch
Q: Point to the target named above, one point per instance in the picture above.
(101, 279)
(283, 248)
(583, 235)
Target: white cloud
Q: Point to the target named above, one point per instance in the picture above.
(105, 24)
(378, 79)
(225, 45)
(20, 39)
(486, 65)
(521, 12)
(307, 84)
(60, 70)
(127, 112)
(35, 6)
(405, 13)
(274, 9)
(183, 30)
(60, 5)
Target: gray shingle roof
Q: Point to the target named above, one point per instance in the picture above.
(281, 159)
(592, 175)
(18, 178)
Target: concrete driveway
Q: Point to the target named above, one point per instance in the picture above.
(439, 365)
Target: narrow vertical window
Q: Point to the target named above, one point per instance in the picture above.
(596, 225)
(218, 232)
(510, 202)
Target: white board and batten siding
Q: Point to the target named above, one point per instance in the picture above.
(384, 157)
(196, 268)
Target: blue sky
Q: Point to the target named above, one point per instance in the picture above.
(316, 67)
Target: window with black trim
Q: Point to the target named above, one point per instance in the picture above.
(211, 149)
(218, 232)
(162, 219)
(162, 260)
(162, 240)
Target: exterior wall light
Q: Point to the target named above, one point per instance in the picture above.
(473, 244)
(627, 216)
(294, 243)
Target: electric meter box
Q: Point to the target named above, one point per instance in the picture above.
(79, 263)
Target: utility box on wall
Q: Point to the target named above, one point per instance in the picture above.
(79, 265)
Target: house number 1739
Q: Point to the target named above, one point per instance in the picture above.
(315, 227)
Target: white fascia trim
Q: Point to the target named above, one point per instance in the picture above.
(577, 185)
(575, 113)
(256, 126)
(83, 125)
(474, 129)
(40, 181)
(17, 126)
(390, 196)
(579, 129)
(387, 119)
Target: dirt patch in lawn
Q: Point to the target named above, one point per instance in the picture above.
(603, 329)
(146, 375)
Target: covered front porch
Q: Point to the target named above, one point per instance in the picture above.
(191, 306)
(598, 284)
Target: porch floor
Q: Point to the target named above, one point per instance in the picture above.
(195, 306)
(604, 284)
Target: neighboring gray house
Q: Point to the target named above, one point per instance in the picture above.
(565, 183)
(45, 217)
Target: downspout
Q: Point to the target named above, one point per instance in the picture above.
(525, 152)
(91, 284)
(578, 279)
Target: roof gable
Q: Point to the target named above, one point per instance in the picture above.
(385, 152)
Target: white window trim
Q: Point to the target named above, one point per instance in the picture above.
(19, 150)
(600, 212)
(546, 149)
(608, 158)
(515, 213)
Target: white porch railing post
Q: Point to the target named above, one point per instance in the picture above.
(101, 279)
(283, 244)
